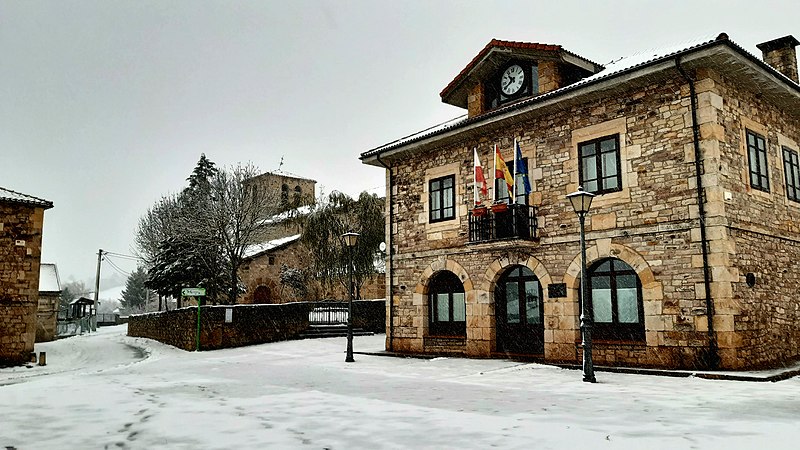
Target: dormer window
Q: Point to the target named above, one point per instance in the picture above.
(516, 79)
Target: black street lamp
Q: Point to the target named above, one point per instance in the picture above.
(350, 240)
(581, 202)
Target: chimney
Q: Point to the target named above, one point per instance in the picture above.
(780, 54)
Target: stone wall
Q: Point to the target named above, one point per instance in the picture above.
(20, 253)
(46, 316)
(370, 315)
(250, 325)
(761, 231)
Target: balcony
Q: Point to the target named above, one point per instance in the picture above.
(514, 222)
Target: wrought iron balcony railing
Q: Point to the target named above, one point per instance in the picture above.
(509, 222)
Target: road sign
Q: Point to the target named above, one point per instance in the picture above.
(193, 292)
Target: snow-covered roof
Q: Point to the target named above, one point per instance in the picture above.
(257, 249)
(48, 278)
(278, 218)
(617, 68)
(10, 196)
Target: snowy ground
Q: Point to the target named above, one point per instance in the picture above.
(106, 390)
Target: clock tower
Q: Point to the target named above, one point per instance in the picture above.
(506, 72)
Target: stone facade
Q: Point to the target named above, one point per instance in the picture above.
(21, 223)
(286, 188)
(652, 223)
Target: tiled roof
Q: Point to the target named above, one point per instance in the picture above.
(10, 196)
(613, 69)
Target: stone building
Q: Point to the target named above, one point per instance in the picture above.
(262, 269)
(21, 222)
(47, 309)
(293, 195)
(692, 238)
(288, 189)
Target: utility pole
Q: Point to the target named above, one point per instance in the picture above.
(97, 282)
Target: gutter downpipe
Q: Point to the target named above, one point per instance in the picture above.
(713, 357)
(391, 249)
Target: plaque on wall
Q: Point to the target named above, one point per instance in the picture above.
(557, 290)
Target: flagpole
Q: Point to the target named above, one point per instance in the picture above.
(513, 194)
(475, 175)
(494, 176)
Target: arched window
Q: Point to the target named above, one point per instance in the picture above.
(616, 301)
(447, 305)
(297, 194)
(285, 194)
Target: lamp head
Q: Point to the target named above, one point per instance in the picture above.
(350, 239)
(581, 200)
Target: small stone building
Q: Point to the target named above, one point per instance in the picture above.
(692, 238)
(47, 310)
(21, 223)
(262, 269)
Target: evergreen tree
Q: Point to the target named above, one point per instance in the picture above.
(134, 296)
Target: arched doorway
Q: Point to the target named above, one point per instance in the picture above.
(262, 294)
(519, 312)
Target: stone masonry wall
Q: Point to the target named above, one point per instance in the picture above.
(19, 279)
(251, 324)
(651, 225)
(46, 317)
(761, 232)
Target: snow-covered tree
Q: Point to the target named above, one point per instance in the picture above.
(134, 296)
(198, 237)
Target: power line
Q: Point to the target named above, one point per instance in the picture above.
(122, 255)
(117, 268)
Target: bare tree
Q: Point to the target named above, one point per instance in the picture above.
(159, 223)
(237, 217)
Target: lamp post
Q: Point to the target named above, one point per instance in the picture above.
(581, 202)
(350, 240)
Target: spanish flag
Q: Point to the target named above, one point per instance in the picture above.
(501, 170)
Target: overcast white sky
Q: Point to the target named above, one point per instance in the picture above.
(107, 105)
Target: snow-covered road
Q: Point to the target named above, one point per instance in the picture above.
(106, 390)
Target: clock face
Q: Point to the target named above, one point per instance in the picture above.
(512, 80)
